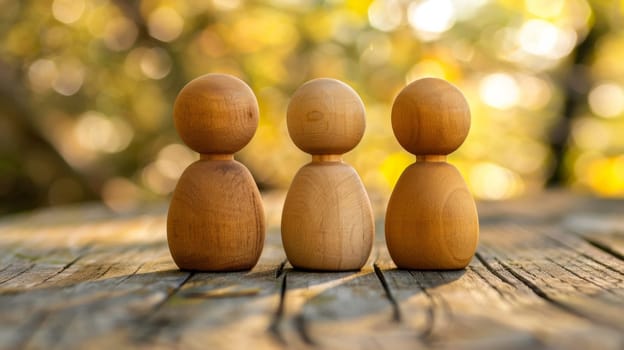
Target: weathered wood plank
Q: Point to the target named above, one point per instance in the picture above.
(68, 314)
(567, 278)
(114, 269)
(603, 231)
(220, 310)
(476, 308)
(89, 278)
(324, 308)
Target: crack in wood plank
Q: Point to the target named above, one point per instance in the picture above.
(302, 329)
(565, 240)
(603, 247)
(299, 320)
(17, 274)
(104, 299)
(172, 292)
(130, 275)
(274, 327)
(427, 331)
(280, 268)
(490, 284)
(552, 300)
(492, 270)
(574, 273)
(65, 267)
(605, 265)
(396, 310)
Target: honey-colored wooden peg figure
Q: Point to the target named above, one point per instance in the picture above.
(216, 218)
(431, 219)
(327, 222)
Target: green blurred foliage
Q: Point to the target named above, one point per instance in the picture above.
(87, 88)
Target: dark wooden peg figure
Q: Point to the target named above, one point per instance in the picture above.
(216, 218)
(431, 219)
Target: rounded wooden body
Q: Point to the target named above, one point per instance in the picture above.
(216, 218)
(431, 219)
(327, 222)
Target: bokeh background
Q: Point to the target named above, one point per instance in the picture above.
(87, 87)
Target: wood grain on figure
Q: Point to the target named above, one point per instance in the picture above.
(431, 219)
(327, 221)
(216, 218)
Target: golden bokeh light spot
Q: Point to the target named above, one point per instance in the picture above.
(426, 68)
(155, 63)
(98, 17)
(156, 181)
(120, 194)
(70, 77)
(606, 176)
(499, 90)
(227, 5)
(590, 134)
(41, 74)
(211, 44)
(165, 24)
(120, 33)
(68, 11)
(525, 156)
(544, 9)
(535, 93)
(359, 7)
(97, 132)
(494, 182)
(544, 39)
(582, 165)
(385, 15)
(393, 166)
(173, 159)
(430, 18)
(607, 100)
(260, 30)
(375, 49)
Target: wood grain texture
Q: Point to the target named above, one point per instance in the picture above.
(216, 113)
(99, 279)
(327, 222)
(220, 310)
(431, 220)
(326, 116)
(430, 117)
(216, 218)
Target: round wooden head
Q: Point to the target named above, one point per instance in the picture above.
(216, 114)
(326, 116)
(430, 117)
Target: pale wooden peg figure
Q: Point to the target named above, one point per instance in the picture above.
(216, 218)
(327, 222)
(431, 219)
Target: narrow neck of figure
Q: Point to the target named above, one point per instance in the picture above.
(318, 158)
(216, 156)
(431, 158)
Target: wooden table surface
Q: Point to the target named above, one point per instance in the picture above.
(549, 273)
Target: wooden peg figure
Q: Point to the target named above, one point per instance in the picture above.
(327, 222)
(216, 218)
(431, 219)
